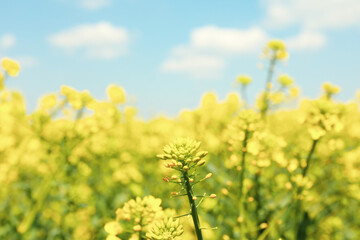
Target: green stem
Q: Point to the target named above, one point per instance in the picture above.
(242, 174)
(308, 159)
(140, 235)
(267, 89)
(300, 232)
(140, 232)
(194, 213)
(258, 200)
(243, 155)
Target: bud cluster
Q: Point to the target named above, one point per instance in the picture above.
(183, 154)
(322, 116)
(138, 216)
(140, 211)
(165, 229)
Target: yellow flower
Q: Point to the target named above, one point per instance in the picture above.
(48, 101)
(294, 92)
(276, 49)
(276, 98)
(243, 79)
(116, 94)
(11, 67)
(76, 99)
(285, 80)
(113, 228)
(330, 89)
(147, 209)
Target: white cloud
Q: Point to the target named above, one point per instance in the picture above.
(27, 61)
(314, 15)
(94, 4)
(227, 40)
(195, 66)
(306, 40)
(7, 41)
(101, 40)
(209, 47)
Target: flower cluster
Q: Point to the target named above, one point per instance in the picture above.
(247, 122)
(183, 155)
(276, 49)
(165, 229)
(322, 116)
(140, 211)
(11, 68)
(330, 89)
(136, 216)
(76, 99)
(285, 80)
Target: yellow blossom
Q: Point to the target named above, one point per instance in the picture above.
(116, 94)
(11, 67)
(276, 49)
(243, 79)
(285, 80)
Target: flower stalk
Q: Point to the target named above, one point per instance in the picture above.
(183, 156)
(243, 156)
(300, 232)
(194, 213)
(269, 77)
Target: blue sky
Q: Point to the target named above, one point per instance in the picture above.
(167, 54)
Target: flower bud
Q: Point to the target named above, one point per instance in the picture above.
(200, 163)
(137, 228)
(208, 175)
(224, 191)
(263, 225)
(201, 154)
(160, 156)
(212, 196)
